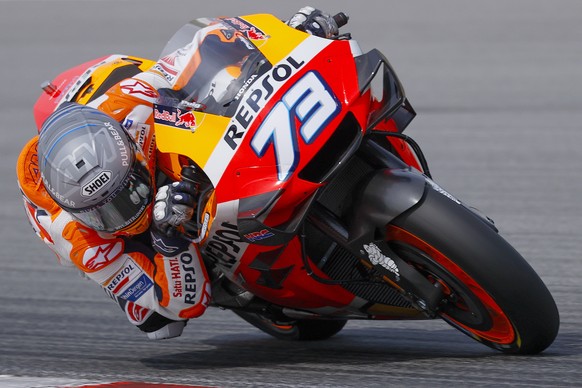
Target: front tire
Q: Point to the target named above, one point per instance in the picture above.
(492, 294)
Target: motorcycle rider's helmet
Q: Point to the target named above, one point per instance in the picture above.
(93, 169)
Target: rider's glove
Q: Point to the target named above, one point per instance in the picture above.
(174, 205)
(314, 22)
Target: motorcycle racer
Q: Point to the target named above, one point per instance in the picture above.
(91, 194)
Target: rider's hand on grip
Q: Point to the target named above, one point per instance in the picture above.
(174, 205)
(315, 22)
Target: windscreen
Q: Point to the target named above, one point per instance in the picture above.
(210, 65)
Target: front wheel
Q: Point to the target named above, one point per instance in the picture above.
(491, 292)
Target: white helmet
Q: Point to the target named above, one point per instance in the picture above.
(94, 170)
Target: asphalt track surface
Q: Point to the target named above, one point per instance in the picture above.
(498, 90)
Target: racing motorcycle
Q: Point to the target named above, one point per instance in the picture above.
(315, 208)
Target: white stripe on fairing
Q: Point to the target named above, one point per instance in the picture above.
(81, 79)
(223, 153)
(227, 212)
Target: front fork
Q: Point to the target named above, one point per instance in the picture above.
(389, 192)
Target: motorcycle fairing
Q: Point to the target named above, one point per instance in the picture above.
(255, 168)
(260, 97)
(256, 183)
(85, 82)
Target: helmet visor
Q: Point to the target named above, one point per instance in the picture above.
(124, 206)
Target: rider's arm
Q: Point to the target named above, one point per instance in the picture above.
(129, 270)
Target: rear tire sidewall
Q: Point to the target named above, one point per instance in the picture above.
(297, 330)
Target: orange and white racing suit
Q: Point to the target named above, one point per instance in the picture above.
(159, 282)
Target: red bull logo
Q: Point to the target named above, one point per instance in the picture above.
(175, 117)
(255, 34)
(249, 30)
(164, 115)
(186, 119)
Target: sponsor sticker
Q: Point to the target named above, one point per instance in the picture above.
(96, 258)
(249, 30)
(136, 289)
(129, 282)
(439, 189)
(167, 66)
(187, 262)
(136, 314)
(377, 257)
(260, 235)
(139, 89)
(127, 123)
(175, 117)
(96, 184)
(186, 119)
(224, 246)
(121, 278)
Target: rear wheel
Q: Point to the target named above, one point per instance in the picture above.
(491, 292)
(297, 330)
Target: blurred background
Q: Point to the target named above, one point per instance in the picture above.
(497, 86)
